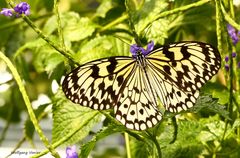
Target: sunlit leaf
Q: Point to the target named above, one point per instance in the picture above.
(68, 117)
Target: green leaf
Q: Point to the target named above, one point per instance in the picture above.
(217, 91)
(141, 149)
(100, 47)
(69, 117)
(186, 144)
(209, 104)
(158, 31)
(109, 130)
(74, 27)
(47, 59)
(104, 7)
(146, 15)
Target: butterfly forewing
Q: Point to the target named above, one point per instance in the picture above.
(179, 70)
(97, 84)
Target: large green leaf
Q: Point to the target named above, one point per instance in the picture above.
(69, 117)
(74, 27)
(100, 47)
(208, 104)
(186, 144)
(145, 16)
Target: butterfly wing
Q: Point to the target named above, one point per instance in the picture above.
(97, 84)
(136, 109)
(179, 70)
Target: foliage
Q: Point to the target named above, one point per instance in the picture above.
(58, 36)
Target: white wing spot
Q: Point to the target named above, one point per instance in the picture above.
(207, 77)
(192, 99)
(143, 126)
(136, 126)
(189, 104)
(199, 84)
(129, 126)
(149, 123)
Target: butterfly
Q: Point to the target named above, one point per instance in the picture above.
(133, 86)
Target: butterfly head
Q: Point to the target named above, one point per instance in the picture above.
(138, 50)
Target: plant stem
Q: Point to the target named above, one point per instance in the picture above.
(127, 144)
(28, 104)
(229, 19)
(218, 26)
(175, 130)
(60, 32)
(114, 22)
(131, 25)
(174, 11)
(158, 146)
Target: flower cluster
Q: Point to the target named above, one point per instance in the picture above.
(71, 152)
(234, 34)
(19, 9)
(134, 49)
(227, 59)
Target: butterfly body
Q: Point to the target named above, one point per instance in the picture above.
(132, 85)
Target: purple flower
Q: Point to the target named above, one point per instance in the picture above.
(233, 34)
(7, 12)
(226, 58)
(234, 54)
(226, 67)
(71, 152)
(22, 8)
(135, 49)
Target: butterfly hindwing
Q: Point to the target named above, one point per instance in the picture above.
(135, 108)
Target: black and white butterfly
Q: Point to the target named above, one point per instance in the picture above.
(173, 73)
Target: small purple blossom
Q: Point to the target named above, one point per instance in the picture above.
(6, 12)
(134, 49)
(22, 8)
(234, 54)
(71, 152)
(227, 67)
(233, 34)
(226, 58)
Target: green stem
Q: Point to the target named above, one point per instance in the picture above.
(131, 25)
(67, 54)
(174, 11)
(17, 22)
(127, 145)
(218, 26)
(114, 22)
(157, 146)
(232, 48)
(60, 32)
(229, 19)
(28, 104)
(174, 121)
